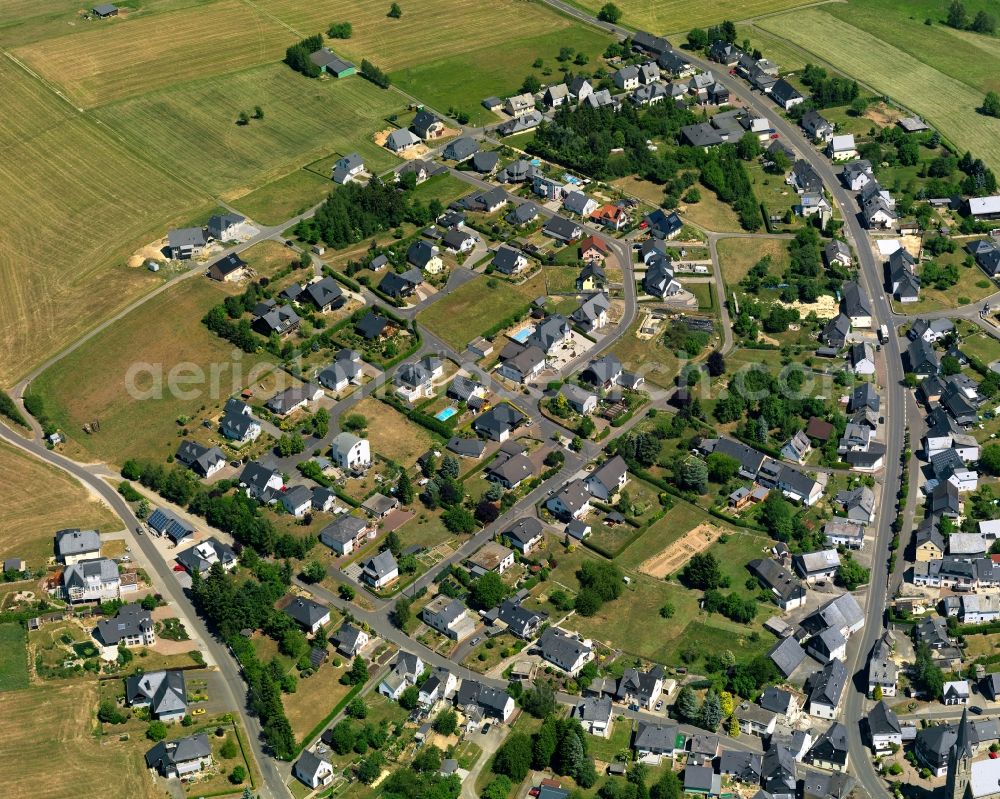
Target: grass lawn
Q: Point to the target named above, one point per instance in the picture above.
(606, 748)
(391, 434)
(712, 214)
(772, 190)
(269, 257)
(736, 256)
(780, 51)
(474, 307)
(108, 63)
(425, 530)
(285, 197)
(41, 500)
(911, 77)
(13, 657)
(191, 129)
(315, 697)
(461, 77)
(705, 292)
(23, 21)
(677, 16)
(981, 346)
(62, 273)
(92, 383)
(675, 523)
(560, 279)
(445, 188)
(55, 724)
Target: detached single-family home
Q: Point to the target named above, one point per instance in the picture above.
(797, 448)
(582, 401)
(592, 277)
(238, 424)
(292, 399)
(519, 105)
(350, 452)
(203, 461)
(92, 581)
(508, 261)
(348, 168)
(185, 243)
(786, 95)
(955, 692)
(524, 535)
(592, 314)
(349, 640)
(203, 555)
(405, 672)
(460, 149)
(449, 617)
(261, 483)
(130, 626)
(426, 125)
(610, 216)
(663, 225)
(499, 422)
(478, 699)
(862, 357)
(401, 140)
(572, 501)
(842, 148)
(653, 742)
(180, 757)
(380, 570)
(837, 253)
(594, 714)
(815, 126)
(297, 500)
(228, 269)
(562, 229)
(576, 202)
(163, 692)
(566, 652)
(884, 729)
(346, 533)
(490, 557)
(856, 306)
(424, 255)
(627, 78)
(75, 545)
(607, 480)
(313, 770)
(827, 689)
(309, 614)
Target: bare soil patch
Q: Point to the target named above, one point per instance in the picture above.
(669, 560)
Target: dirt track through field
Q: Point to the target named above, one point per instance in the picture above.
(669, 560)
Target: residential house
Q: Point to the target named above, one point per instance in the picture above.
(346, 534)
(510, 468)
(920, 359)
(348, 168)
(519, 105)
(984, 208)
(460, 149)
(324, 294)
(401, 140)
(658, 280)
(594, 714)
(610, 216)
(458, 241)
(439, 686)
(592, 277)
(562, 229)
(292, 399)
(787, 655)
(955, 692)
(627, 78)
(566, 652)
(604, 372)
(493, 703)
(592, 314)
(350, 452)
(582, 401)
(572, 501)
(523, 214)
(423, 255)
(344, 371)
(662, 225)
(185, 243)
(74, 545)
(857, 174)
(653, 742)
(238, 424)
(130, 626)
(862, 357)
(786, 95)
(92, 581)
(276, 320)
(310, 615)
(449, 617)
(755, 720)
(508, 261)
(380, 570)
(856, 305)
(313, 770)
(555, 96)
(203, 555)
(877, 212)
(229, 269)
(350, 640)
(580, 89)
(181, 757)
(701, 135)
(884, 729)
(406, 670)
(524, 363)
(840, 532)
(835, 331)
(816, 126)
(499, 422)
(804, 178)
(827, 689)
(162, 692)
(837, 253)
(297, 500)
(903, 280)
(842, 147)
(607, 480)
(830, 751)
(593, 249)
(490, 557)
(787, 591)
(524, 534)
(426, 125)
(642, 688)
(797, 448)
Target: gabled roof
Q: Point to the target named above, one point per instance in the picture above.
(524, 530)
(855, 301)
(883, 721)
(306, 612)
(828, 683)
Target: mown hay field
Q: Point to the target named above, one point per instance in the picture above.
(127, 60)
(191, 129)
(75, 204)
(679, 16)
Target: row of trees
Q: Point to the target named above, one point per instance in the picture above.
(958, 17)
(298, 56)
(829, 91)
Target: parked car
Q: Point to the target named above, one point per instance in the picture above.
(486, 728)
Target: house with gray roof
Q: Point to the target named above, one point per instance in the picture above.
(313, 770)
(594, 714)
(524, 534)
(827, 689)
(605, 372)
(203, 461)
(380, 570)
(519, 620)
(593, 313)
(449, 617)
(74, 545)
(348, 168)
(652, 742)
(180, 757)
(92, 581)
(163, 692)
(238, 423)
(566, 652)
(460, 149)
(185, 243)
(130, 626)
(509, 261)
(499, 422)
(580, 400)
(401, 140)
(350, 640)
(787, 655)
(608, 479)
(572, 501)
(494, 703)
(309, 614)
(203, 555)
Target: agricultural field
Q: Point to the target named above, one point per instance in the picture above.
(462, 78)
(55, 725)
(114, 62)
(146, 426)
(476, 306)
(925, 83)
(40, 500)
(285, 197)
(191, 128)
(61, 272)
(13, 657)
(678, 16)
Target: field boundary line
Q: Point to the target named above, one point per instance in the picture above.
(273, 18)
(47, 84)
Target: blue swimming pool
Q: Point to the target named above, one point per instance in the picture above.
(523, 334)
(446, 414)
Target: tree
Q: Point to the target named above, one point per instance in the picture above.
(449, 467)
(499, 788)
(458, 520)
(359, 671)
(446, 722)
(716, 363)
(667, 787)
(108, 712)
(408, 699)
(544, 744)
(776, 516)
(539, 700)
(694, 475)
(722, 468)
(984, 23)
(991, 105)
(711, 712)
(609, 13)
(957, 16)
(258, 113)
(340, 30)
(394, 544)
(697, 38)
(401, 612)
(342, 737)
(989, 459)
(149, 602)
(427, 760)
(346, 591)
(404, 489)
(734, 727)
(238, 775)
(395, 12)
(229, 750)
(243, 119)
(531, 85)
(727, 703)
(851, 574)
(668, 610)
(313, 572)
(748, 147)
(877, 694)
(687, 705)
(569, 755)
(357, 708)
(513, 758)
(702, 571)
(156, 731)
(370, 768)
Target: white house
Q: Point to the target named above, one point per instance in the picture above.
(955, 692)
(348, 168)
(92, 581)
(608, 479)
(842, 148)
(297, 500)
(350, 452)
(594, 714)
(313, 770)
(564, 651)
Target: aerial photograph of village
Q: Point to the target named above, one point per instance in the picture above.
(442, 399)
